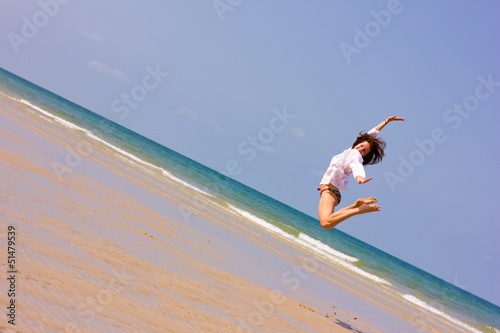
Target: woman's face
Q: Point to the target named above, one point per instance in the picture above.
(363, 148)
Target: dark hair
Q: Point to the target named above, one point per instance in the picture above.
(377, 147)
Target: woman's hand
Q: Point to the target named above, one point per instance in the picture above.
(393, 118)
(362, 180)
(388, 120)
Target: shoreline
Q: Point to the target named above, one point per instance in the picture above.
(106, 247)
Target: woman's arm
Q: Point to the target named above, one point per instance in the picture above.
(357, 169)
(388, 120)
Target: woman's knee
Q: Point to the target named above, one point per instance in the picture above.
(325, 223)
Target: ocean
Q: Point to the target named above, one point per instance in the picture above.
(444, 299)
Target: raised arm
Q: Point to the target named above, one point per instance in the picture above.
(388, 120)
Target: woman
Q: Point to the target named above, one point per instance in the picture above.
(367, 149)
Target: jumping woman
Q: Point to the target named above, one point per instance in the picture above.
(366, 150)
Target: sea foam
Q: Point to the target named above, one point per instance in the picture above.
(325, 248)
(438, 312)
(313, 245)
(263, 223)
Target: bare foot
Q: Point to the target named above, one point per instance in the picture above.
(363, 201)
(366, 208)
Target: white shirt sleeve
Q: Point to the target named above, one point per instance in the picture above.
(373, 132)
(356, 164)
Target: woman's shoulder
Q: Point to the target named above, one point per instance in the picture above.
(348, 155)
(353, 154)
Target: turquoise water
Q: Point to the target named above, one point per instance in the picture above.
(470, 312)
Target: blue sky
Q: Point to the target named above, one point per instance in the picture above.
(209, 79)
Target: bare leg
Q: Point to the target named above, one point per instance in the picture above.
(329, 218)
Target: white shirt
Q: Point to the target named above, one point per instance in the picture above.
(342, 165)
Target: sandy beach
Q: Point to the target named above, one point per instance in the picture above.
(103, 246)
